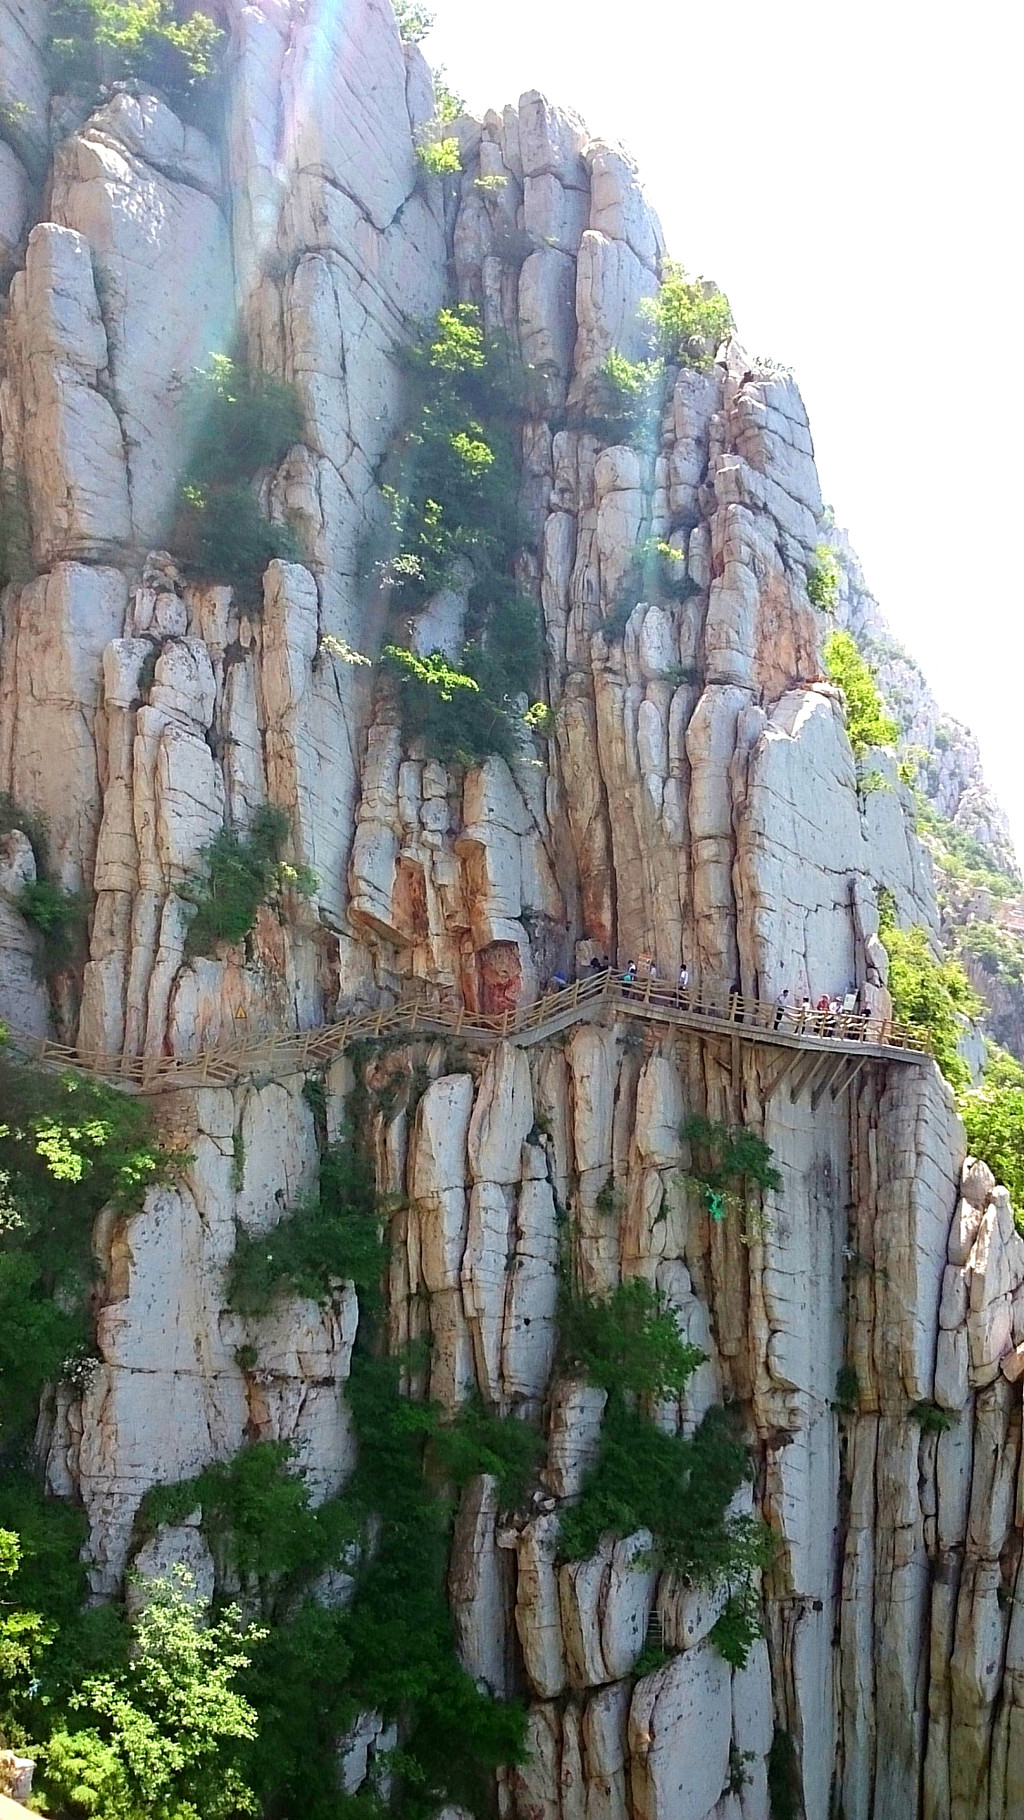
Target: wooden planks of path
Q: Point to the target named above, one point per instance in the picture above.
(816, 1051)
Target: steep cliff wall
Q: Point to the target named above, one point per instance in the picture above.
(695, 799)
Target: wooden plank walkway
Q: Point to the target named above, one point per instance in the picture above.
(804, 1042)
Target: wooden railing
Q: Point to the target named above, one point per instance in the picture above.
(297, 1052)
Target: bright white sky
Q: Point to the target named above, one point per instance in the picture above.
(850, 174)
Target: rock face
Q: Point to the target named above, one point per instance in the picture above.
(695, 801)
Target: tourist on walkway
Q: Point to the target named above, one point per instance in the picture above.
(781, 1007)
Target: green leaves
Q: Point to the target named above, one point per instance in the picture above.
(335, 1237)
(867, 723)
(446, 708)
(68, 1146)
(147, 43)
(414, 20)
(993, 1120)
(725, 1158)
(166, 1734)
(440, 157)
(628, 1341)
(935, 995)
(690, 318)
(452, 485)
(59, 919)
(823, 579)
(238, 421)
(240, 871)
(677, 1487)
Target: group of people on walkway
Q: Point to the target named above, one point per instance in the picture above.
(831, 1015)
(821, 1019)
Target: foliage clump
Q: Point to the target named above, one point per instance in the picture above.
(935, 995)
(867, 723)
(439, 157)
(448, 103)
(784, 1788)
(931, 1418)
(993, 1120)
(16, 566)
(678, 1487)
(239, 873)
(57, 916)
(628, 1341)
(414, 20)
(452, 487)
(959, 856)
(996, 950)
(823, 579)
(333, 1237)
(392, 1647)
(68, 1146)
(630, 398)
(238, 422)
(725, 1159)
(164, 1738)
(153, 44)
(690, 318)
(446, 708)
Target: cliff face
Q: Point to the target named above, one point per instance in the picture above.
(695, 800)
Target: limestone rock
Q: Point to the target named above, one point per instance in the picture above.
(680, 1724)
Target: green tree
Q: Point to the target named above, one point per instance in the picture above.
(866, 720)
(452, 485)
(690, 318)
(165, 1738)
(238, 422)
(414, 20)
(23, 1634)
(935, 995)
(823, 579)
(993, 1119)
(68, 1146)
(152, 43)
(628, 1341)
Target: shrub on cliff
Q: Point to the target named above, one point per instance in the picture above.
(823, 579)
(332, 1237)
(452, 487)
(447, 709)
(993, 1119)
(680, 1488)
(452, 477)
(153, 44)
(239, 873)
(725, 1159)
(627, 1341)
(238, 422)
(16, 566)
(867, 723)
(935, 995)
(68, 1146)
(164, 1738)
(57, 916)
(996, 950)
(414, 20)
(690, 318)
